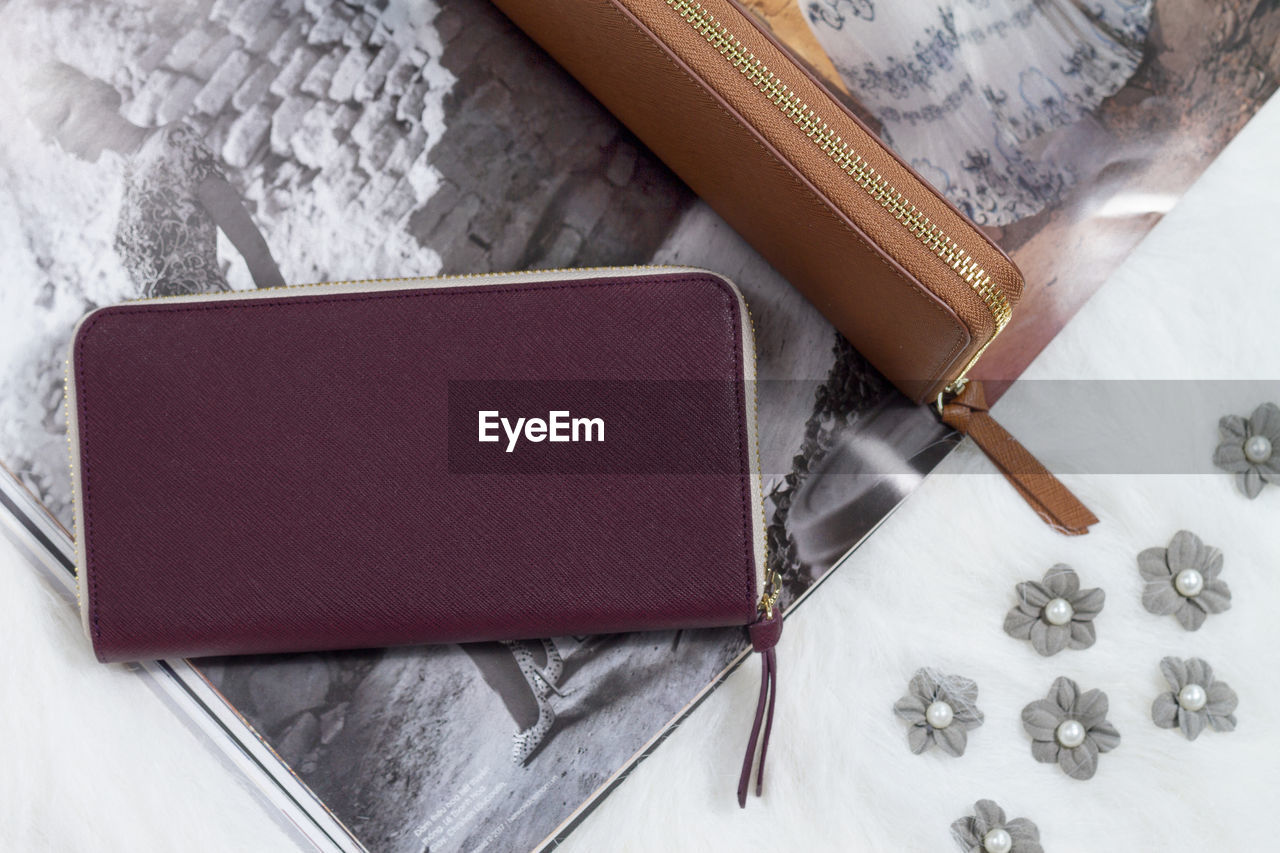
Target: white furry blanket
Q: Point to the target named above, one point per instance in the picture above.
(93, 761)
(1198, 300)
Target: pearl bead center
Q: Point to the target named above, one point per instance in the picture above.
(1070, 733)
(1192, 697)
(1058, 611)
(1189, 583)
(1258, 448)
(997, 840)
(939, 715)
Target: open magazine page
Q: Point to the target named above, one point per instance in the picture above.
(160, 149)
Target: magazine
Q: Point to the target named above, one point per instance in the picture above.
(234, 144)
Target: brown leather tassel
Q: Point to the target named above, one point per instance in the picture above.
(764, 634)
(966, 412)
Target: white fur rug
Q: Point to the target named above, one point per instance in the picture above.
(93, 761)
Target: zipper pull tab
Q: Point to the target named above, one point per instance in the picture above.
(966, 412)
(764, 633)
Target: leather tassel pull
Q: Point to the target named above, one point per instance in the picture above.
(764, 633)
(966, 412)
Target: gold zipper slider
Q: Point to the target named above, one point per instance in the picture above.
(772, 590)
(952, 389)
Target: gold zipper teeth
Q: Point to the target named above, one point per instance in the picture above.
(851, 163)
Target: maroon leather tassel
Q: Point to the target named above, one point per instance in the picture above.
(764, 635)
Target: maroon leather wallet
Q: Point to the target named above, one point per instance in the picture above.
(420, 461)
(339, 466)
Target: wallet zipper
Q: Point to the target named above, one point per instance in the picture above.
(770, 581)
(875, 185)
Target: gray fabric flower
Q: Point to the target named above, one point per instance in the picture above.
(1183, 580)
(1070, 728)
(987, 831)
(940, 708)
(1194, 700)
(1055, 613)
(1251, 449)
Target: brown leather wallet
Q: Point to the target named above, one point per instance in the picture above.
(907, 278)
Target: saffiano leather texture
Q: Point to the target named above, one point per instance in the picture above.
(300, 468)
